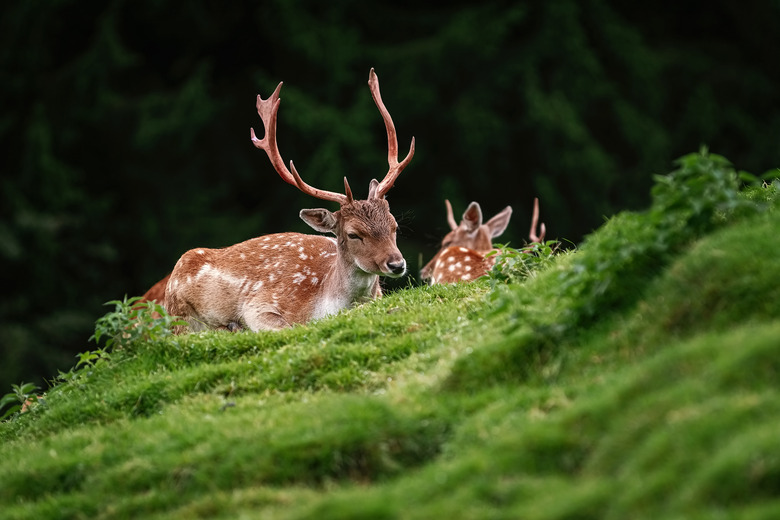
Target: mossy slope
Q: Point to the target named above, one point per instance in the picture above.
(642, 385)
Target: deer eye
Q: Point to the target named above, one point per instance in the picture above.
(354, 236)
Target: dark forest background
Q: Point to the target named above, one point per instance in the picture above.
(125, 127)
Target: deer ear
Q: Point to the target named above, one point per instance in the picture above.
(498, 224)
(372, 186)
(319, 219)
(472, 217)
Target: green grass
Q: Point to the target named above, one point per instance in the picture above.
(636, 377)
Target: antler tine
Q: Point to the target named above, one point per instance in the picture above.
(395, 168)
(534, 222)
(322, 194)
(450, 216)
(268, 109)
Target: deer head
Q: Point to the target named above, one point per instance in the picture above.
(462, 254)
(281, 279)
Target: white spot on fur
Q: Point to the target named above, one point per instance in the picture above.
(204, 269)
(302, 256)
(257, 285)
(200, 251)
(463, 250)
(242, 256)
(207, 270)
(465, 277)
(298, 278)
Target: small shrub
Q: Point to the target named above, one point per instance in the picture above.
(130, 323)
(22, 394)
(133, 321)
(618, 261)
(514, 265)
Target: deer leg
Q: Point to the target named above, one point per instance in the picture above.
(264, 317)
(232, 326)
(376, 289)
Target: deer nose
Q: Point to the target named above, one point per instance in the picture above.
(397, 267)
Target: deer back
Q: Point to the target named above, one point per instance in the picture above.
(465, 242)
(462, 256)
(459, 264)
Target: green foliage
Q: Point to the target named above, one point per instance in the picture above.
(619, 262)
(515, 265)
(472, 400)
(634, 247)
(22, 394)
(129, 325)
(689, 201)
(734, 272)
(133, 321)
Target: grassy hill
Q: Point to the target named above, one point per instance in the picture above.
(636, 377)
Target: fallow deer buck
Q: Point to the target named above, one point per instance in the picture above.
(462, 256)
(275, 281)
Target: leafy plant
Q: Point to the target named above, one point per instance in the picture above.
(687, 203)
(132, 321)
(22, 393)
(694, 198)
(514, 265)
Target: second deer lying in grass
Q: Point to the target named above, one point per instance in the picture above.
(462, 256)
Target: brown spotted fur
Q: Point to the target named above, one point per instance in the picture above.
(462, 255)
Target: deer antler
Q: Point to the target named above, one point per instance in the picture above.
(268, 110)
(392, 141)
(534, 222)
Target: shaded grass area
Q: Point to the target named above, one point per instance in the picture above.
(651, 393)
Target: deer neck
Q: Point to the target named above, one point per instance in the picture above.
(344, 285)
(353, 281)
